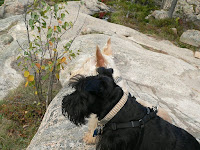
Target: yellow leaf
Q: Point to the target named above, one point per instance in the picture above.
(26, 84)
(59, 61)
(43, 67)
(30, 78)
(55, 28)
(50, 43)
(63, 59)
(59, 21)
(51, 69)
(55, 50)
(57, 76)
(35, 92)
(38, 65)
(26, 74)
(37, 71)
(49, 62)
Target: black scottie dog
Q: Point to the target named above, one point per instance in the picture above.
(131, 127)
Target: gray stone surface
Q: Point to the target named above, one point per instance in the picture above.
(7, 23)
(6, 39)
(160, 14)
(9, 77)
(197, 54)
(2, 11)
(191, 37)
(13, 7)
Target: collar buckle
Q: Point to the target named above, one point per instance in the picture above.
(141, 121)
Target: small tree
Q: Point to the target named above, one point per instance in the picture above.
(42, 61)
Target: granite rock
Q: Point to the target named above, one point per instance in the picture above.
(191, 37)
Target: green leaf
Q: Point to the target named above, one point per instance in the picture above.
(39, 29)
(53, 39)
(43, 3)
(42, 13)
(45, 77)
(44, 24)
(66, 11)
(66, 24)
(48, 8)
(18, 57)
(73, 55)
(25, 53)
(32, 15)
(32, 64)
(59, 29)
(30, 45)
(19, 64)
(56, 8)
(59, 39)
(31, 23)
(45, 17)
(58, 67)
(71, 24)
(37, 44)
(49, 32)
(62, 16)
(36, 17)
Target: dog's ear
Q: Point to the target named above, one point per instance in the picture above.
(77, 82)
(74, 106)
(101, 62)
(107, 49)
(104, 71)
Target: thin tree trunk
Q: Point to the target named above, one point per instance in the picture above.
(171, 10)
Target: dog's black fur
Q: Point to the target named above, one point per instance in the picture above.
(99, 94)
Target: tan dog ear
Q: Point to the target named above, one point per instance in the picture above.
(107, 49)
(100, 59)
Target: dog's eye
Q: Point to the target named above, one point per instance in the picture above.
(70, 73)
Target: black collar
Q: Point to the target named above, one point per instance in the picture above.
(151, 113)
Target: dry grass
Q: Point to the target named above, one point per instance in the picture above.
(20, 116)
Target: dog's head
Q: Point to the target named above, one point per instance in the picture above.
(91, 95)
(88, 64)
